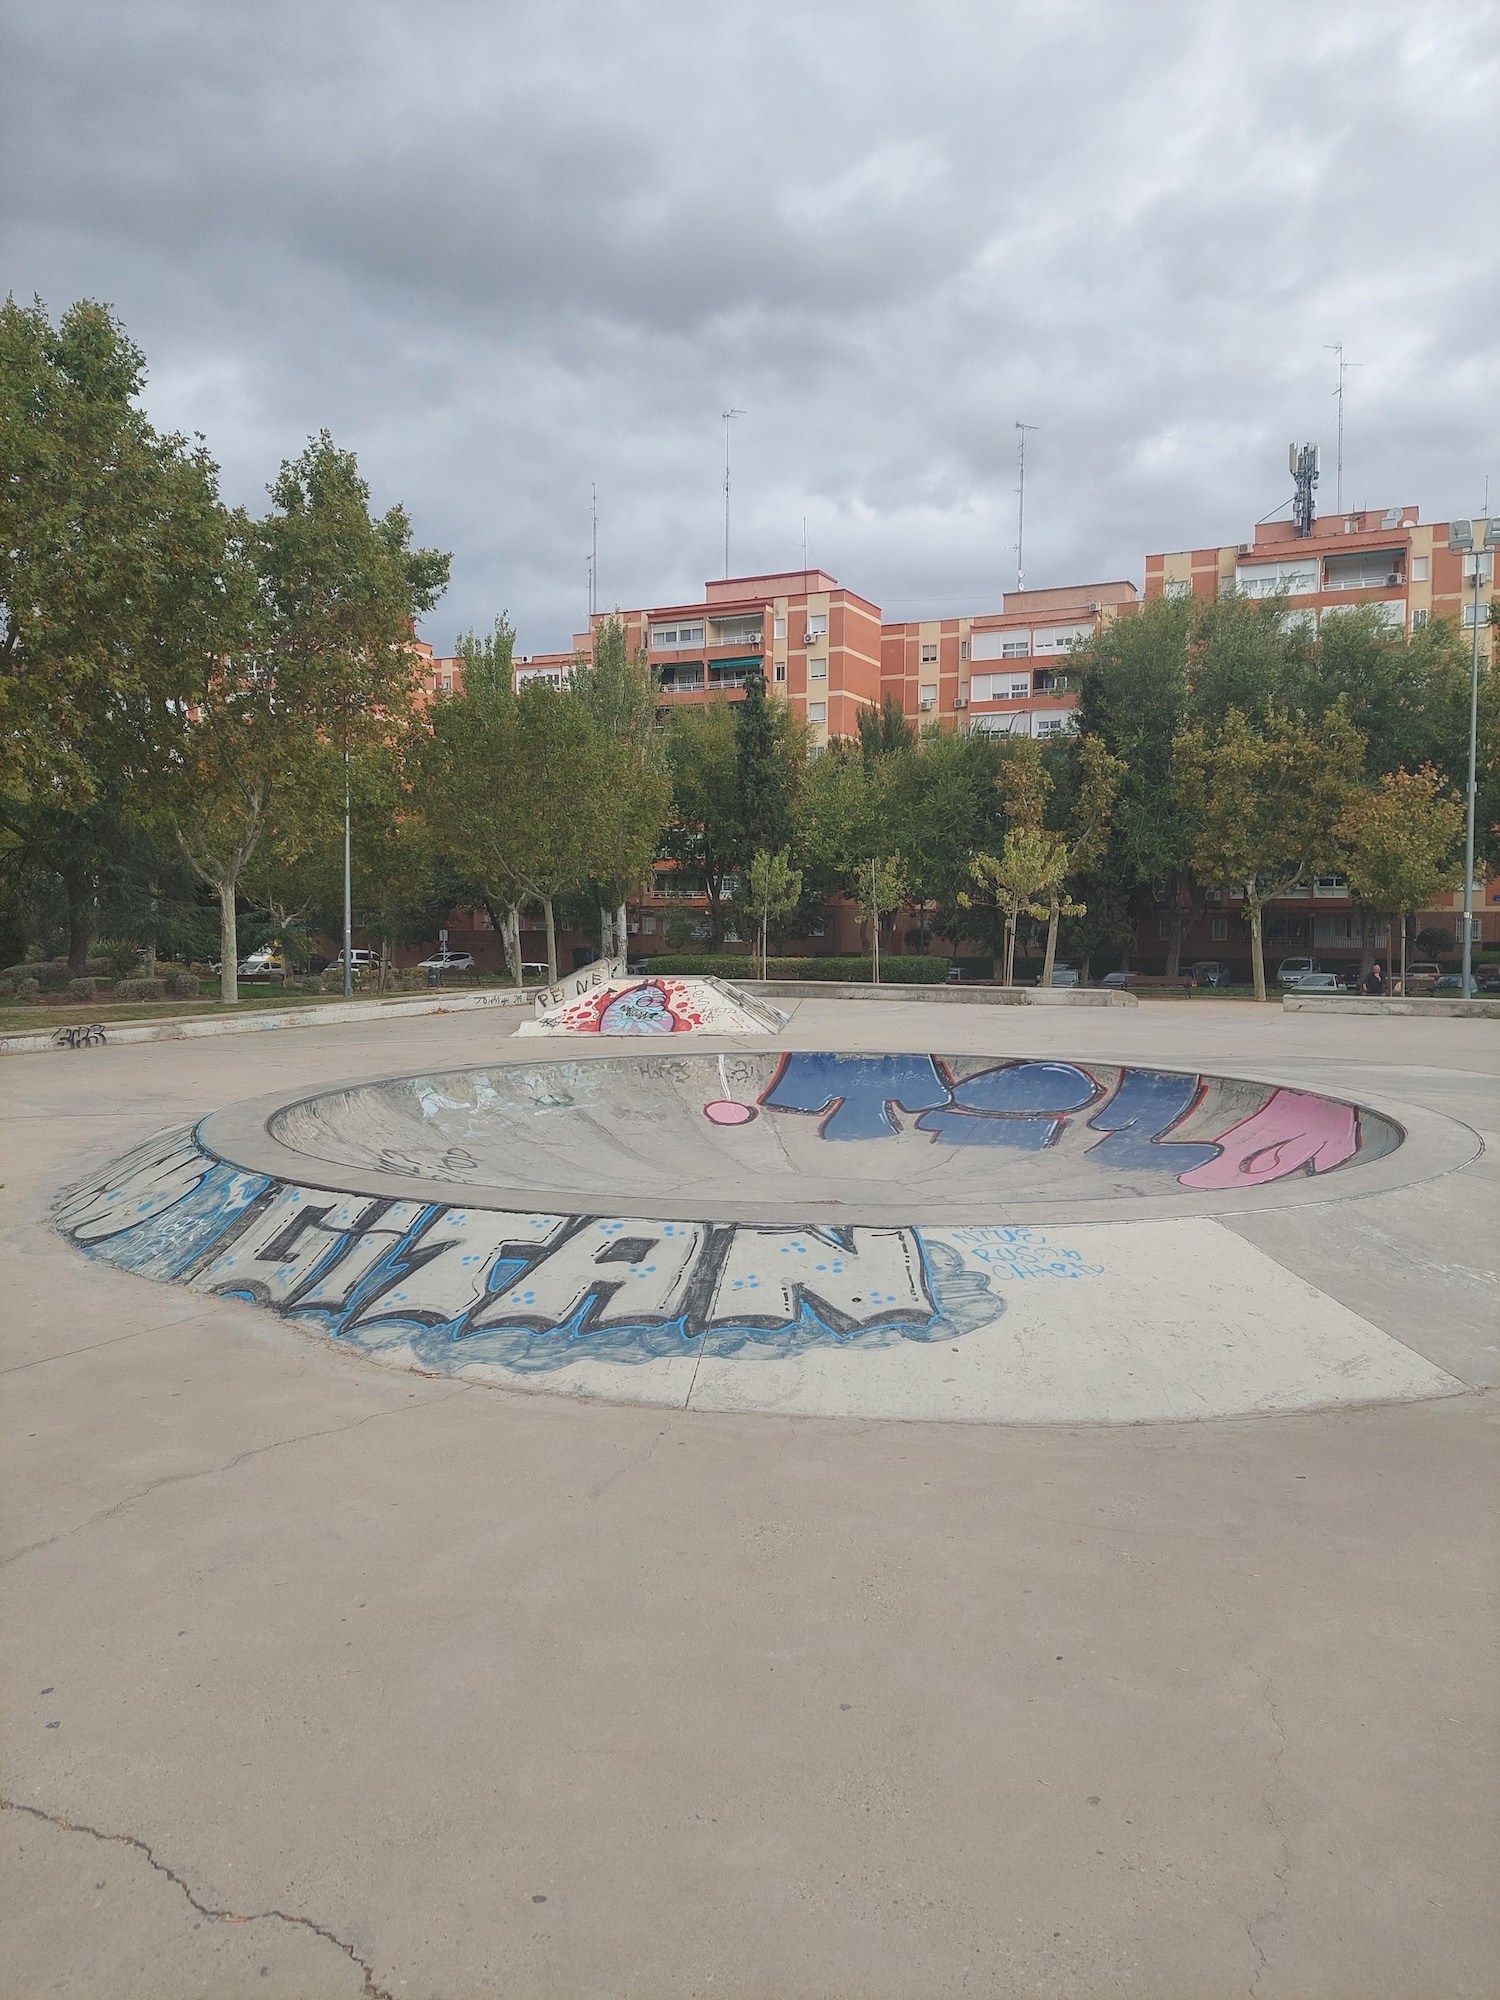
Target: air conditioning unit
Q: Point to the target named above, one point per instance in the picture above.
(929, 703)
(810, 637)
(960, 701)
(1244, 549)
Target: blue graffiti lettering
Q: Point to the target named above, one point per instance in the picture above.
(1142, 1111)
(1021, 1105)
(857, 1091)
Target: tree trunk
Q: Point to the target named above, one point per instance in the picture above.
(1050, 959)
(80, 927)
(875, 948)
(1403, 954)
(511, 944)
(385, 963)
(622, 932)
(229, 946)
(715, 917)
(1174, 943)
(551, 941)
(606, 932)
(1008, 954)
(1257, 949)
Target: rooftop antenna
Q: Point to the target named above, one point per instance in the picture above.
(729, 417)
(1302, 463)
(1337, 347)
(804, 529)
(594, 553)
(1021, 430)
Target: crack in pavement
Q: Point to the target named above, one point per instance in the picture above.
(211, 1471)
(1281, 1872)
(372, 1990)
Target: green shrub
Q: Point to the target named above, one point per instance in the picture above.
(53, 978)
(181, 985)
(850, 968)
(141, 989)
(83, 989)
(28, 988)
(7, 987)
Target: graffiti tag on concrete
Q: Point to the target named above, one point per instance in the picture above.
(533, 1293)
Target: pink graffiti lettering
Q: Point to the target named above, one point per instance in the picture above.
(1291, 1132)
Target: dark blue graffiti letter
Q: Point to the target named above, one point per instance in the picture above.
(858, 1090)
(1147, 1105)
(1016, 1104)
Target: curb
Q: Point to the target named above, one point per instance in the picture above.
(1416, 1003)
(187, 1027)
(963, 996)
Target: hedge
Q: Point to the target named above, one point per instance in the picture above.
(853, 969)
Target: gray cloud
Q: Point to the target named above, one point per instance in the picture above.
(503, 252)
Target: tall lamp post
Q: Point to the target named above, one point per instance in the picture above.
(1461, 542)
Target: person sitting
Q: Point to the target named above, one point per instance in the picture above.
(1373, 982)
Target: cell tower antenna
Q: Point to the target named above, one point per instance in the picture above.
(594, 553)
(1302, 463)
(1337, 347)
(1021, 430)
(729, 417)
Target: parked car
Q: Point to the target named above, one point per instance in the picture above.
(1209, 972)
(1317, 982)
(1423, 976)
(1117, 979)
(1451, 982)
(1064, 975)
(263, 964)
(1292, 971)
(448, 961)
(358, 960)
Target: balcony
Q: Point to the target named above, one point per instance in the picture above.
(1380, 569)
(686, 678)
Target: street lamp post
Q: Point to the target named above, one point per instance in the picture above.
(1461, 542)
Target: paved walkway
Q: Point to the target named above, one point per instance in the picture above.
(450, 1690)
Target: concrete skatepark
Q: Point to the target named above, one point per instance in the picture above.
(935, 1499)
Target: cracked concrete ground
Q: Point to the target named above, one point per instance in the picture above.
(324, 1680)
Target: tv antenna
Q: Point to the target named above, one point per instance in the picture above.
(729, 417)
(594, 551)
(1337, 347)
(1021, 430)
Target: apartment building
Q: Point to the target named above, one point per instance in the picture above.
(1003, 672)
(1388, 558)
(817, 644)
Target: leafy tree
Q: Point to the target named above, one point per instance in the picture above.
(764, 779)
(885, 731)
(704, 835)
(1267, 801)
(879, 887)
(634, 804)
(470, 764)
(1022, 879)
(1399, 844)
(324, 597)
(111, 545)
(1093, 778)
(775, 887)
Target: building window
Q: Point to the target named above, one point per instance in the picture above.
(817, 670)
(742, 631)
(1298, 575)
(1476, 614)
(781, 670)
(1219, 929)
(1419, 621)
(817, 711)
(665, 638)
(963, 649)
(1179, 586)
(815, 928)
(1483, 565)
(1373, 569)
(929, 653)
(1018, 687)
(927, 696)
(779, 629)
(1016, 649)
(1419, 569)
(1051, 725)
(817, 626)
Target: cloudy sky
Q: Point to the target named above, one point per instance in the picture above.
(509, 249)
